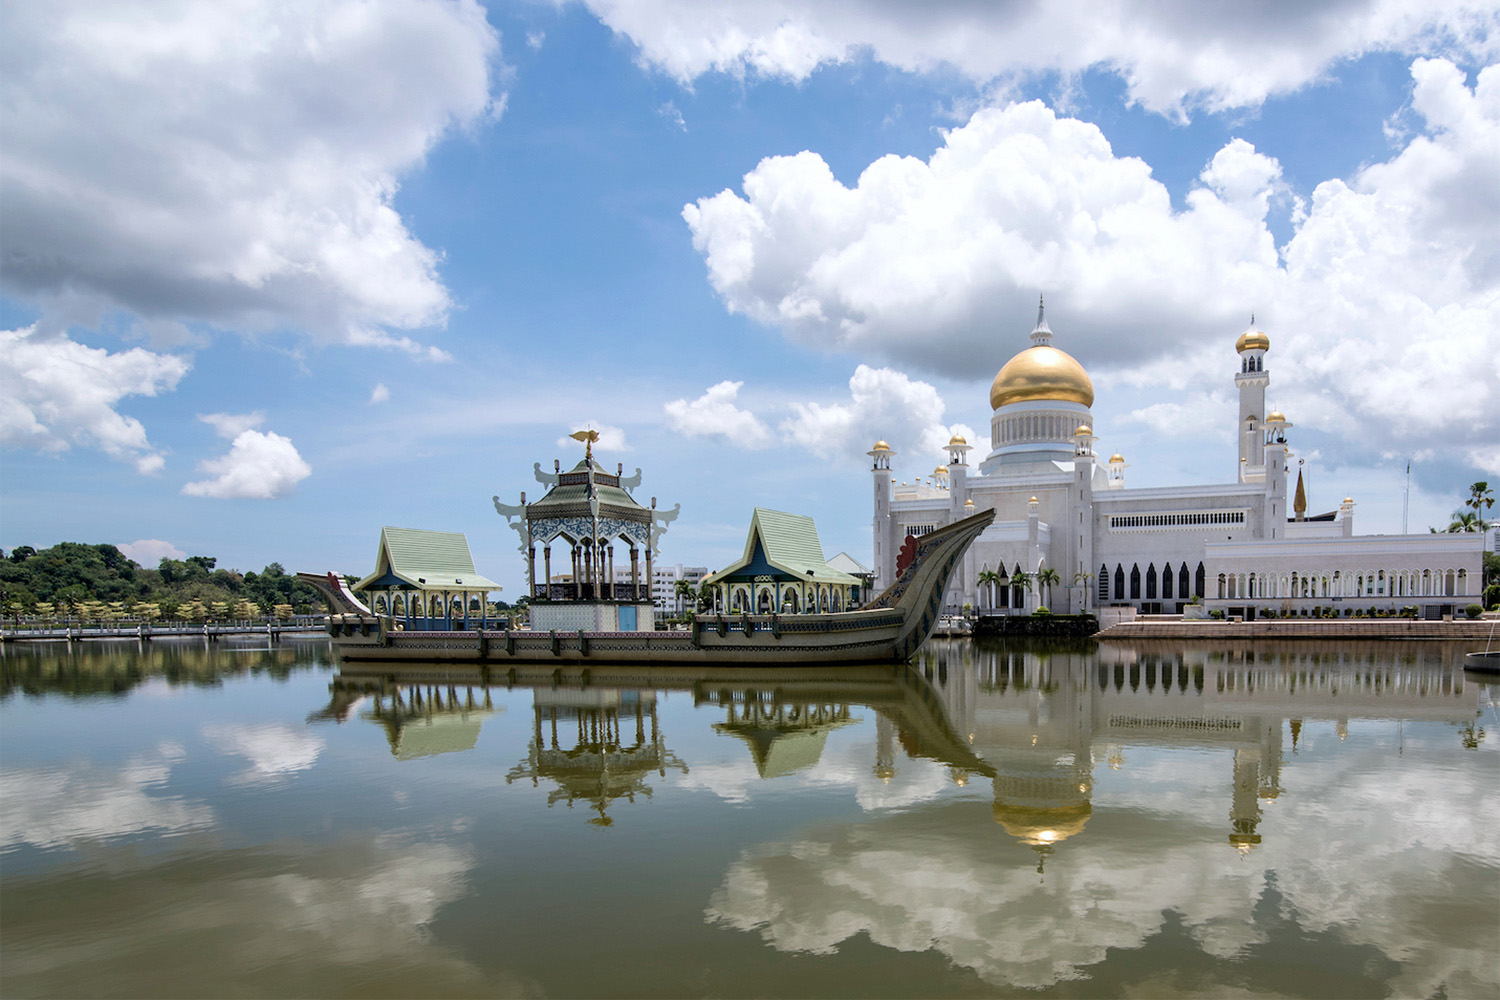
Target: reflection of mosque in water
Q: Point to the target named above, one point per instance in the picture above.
(1042, 719)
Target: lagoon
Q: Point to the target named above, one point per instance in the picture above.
(1269, 819)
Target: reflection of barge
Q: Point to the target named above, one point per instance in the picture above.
(890, 627)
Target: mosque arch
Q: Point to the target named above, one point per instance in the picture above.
(1166, 581)
(1103, 582)
(1201, 580)
(1151, 581)
(763, 601)
(1119, 582)
(1135, 581)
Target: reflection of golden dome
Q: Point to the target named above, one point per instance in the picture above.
(1252, 340)
(1041, 372)
(1040, 827)
(881, 446)
(956, 439)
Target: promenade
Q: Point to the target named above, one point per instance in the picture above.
(146, 631)
(1308, 628)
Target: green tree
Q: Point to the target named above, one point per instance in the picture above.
(989, 580)
(1481, 499)
(1046, 577)
(1465, 521)
(683, 589)
(1022, 579)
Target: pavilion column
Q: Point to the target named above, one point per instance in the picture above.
(577, 573)
(531, 571)
(547, 570)
(650, 577)
(635, 574)
(611, 571)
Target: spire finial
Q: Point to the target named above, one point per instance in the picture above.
(1041, 334)
(1252, 319)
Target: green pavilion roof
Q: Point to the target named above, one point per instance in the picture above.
(409, 558)
(570, 497)
(790, 544)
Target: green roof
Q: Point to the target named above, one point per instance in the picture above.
(571, 496)
(790, 543)
(426, 560)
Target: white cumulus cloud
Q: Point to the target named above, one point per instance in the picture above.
(883, 403)
(233, 164)
(260, 465)
(714, 412)
(380, 393)
(58, 393)
(1172, 57)
(231, 425)
(150, 551)
(1386, 297)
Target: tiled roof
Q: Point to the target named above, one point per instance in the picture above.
(790, 542)
(429, 560)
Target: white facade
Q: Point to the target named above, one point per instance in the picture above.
(664, 585)
(1243, 545)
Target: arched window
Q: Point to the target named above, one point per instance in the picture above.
(1166, 581)
(1223, 589)
(1182, 581)
(1103, 582)
(1135, 582)
(1200, 581)
(1119, 582)
(1151, 582)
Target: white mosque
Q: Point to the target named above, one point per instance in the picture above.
(1245, 545)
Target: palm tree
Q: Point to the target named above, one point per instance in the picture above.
(1081, 579)
(1022, 579)
(683, 589)
(1046, 577)
(988, 578)
(1464, 521)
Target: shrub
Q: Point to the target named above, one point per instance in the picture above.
(1042, 610)
(1473, 611)
(1216, 613)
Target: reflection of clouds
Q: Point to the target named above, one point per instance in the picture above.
(912, 884)
(275, 751)
(844, 766)
(51, 807)
(1398, 859)
(344, 919)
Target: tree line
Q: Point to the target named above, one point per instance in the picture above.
(99, 581)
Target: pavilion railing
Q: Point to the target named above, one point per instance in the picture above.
(590, 592)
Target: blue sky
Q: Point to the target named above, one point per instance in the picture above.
(274, 278)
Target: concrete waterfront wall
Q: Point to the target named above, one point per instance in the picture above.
(1312, 628)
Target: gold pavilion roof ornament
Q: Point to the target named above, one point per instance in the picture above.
(588, 437)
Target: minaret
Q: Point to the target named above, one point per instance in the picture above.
(958, 496)
(884, 555)
(1251, 380)
(1274, 450)
(1083, 552)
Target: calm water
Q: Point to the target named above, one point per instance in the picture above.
(1276, 820)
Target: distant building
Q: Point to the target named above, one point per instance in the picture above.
(845, 563)
(664, 586)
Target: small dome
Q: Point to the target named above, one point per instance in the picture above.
(969, 502)
(1252, 340)
(1276, 418)
(1041, 372)
(1116, 457)
(941, 470)
(956, 440)
(881, 446)
(1084, 430)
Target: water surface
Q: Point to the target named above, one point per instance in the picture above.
(1281, 819)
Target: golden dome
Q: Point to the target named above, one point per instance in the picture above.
(969, 502)
(1084, 430)
(1252, 340)
(1275, 418)
(1116, 457)
(881, 446)
(941, 470)
(956, 439)
(1041, 372)
(1041, 827)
